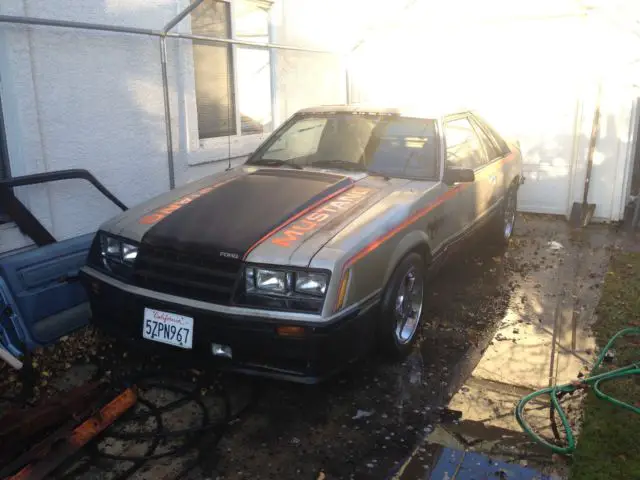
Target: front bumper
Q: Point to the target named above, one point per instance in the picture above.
(256, 347)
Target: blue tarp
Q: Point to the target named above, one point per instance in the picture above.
(460, 465)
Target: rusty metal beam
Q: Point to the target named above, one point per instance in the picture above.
(19, 424)
(81, 435)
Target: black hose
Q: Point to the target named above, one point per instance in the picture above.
(199, 440)
(202, 438)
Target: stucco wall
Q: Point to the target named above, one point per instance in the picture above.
(85, 99)
(94, 100)
(531, 70)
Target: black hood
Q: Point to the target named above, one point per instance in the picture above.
(234, 215)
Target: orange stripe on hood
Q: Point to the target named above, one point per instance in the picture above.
(160, 213)
(295, 217)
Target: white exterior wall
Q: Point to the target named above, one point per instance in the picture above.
(94, 100)
(531, 68)
(84, 100)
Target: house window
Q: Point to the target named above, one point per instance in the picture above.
(233, 83)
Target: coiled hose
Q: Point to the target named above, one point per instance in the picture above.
(202, 438)
(594, 381)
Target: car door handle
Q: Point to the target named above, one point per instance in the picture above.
(69, 277)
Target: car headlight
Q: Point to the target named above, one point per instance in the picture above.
(311, 283)
(271, 280)
(129, 252)
(265, 280)
(117, 251)
(110, 246)
(283, 282)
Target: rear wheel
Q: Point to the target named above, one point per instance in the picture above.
(505, 221)
(402, 307)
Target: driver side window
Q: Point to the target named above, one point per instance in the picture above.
(463, 146)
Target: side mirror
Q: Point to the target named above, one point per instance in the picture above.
(459, 175)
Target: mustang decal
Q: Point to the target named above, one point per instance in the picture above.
(312, 221)
(163, 212)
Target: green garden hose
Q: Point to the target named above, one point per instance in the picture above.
(594, 381)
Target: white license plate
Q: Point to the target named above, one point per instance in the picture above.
(169, 328)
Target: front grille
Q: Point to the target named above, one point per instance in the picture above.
(201, 277)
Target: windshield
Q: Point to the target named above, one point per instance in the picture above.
(381, 144)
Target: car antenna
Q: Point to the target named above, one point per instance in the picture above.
(229, 123)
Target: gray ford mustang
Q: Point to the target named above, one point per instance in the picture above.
(317, 248)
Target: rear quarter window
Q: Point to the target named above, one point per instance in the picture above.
(491, 132)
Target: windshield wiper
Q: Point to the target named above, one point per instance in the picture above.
(343, 164)
(274, 162)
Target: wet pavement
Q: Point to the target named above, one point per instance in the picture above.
(543, 338)
(488, 333)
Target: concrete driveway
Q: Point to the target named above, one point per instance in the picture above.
(497, 325)
(542, 338)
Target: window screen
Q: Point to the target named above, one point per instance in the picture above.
(251, 22)
(233, 84)
(254, 90)
(214, 71)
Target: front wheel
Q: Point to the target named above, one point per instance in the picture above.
(402, 307)
(505, 221)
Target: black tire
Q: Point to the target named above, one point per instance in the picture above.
(500, 233)
(394, 342)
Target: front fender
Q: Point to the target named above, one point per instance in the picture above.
(416, 240)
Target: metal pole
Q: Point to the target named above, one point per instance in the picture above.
(154, 33)
(246, 43)
(348, 82)
(273, 69)
(78, 25)
(167, 112)
(182, 15)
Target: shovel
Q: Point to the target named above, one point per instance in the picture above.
(582, 213)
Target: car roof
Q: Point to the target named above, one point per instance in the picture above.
(409, 111)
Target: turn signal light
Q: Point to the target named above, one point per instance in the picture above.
(290, 331)
(342, 292)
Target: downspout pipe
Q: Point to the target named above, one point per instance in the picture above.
(167, 113)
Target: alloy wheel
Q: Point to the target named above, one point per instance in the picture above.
(408, 309)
